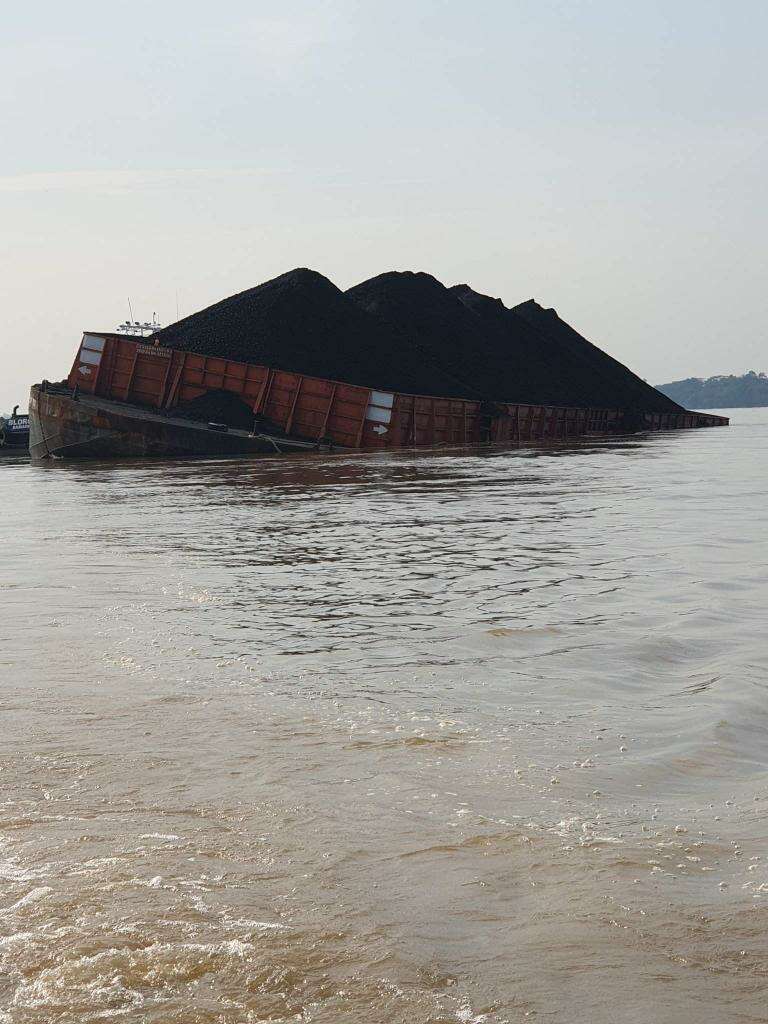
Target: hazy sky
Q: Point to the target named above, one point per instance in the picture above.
(606, 158)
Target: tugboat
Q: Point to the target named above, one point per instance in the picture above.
(14, 433)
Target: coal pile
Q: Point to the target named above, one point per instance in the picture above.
(506, 354)
(443, 330)
(609, 375)
(218, 406)
(477, 338)
(535, 372)
(407, 332)
(303, 323)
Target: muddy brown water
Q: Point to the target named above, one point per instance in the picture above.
(425, 738)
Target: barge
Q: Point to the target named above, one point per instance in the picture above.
(132, 397)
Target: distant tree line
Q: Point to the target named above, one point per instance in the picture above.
(722, 392)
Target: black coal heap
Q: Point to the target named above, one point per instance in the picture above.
(302, 322)
(407, 332)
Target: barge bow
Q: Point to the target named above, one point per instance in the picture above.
(64, 424)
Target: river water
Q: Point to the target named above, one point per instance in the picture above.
(429, 737)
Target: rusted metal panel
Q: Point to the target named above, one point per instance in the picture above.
(326, 418)
(289, 421)
(88, 358)
(178, 361)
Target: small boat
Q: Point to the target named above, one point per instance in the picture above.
(128, 396)
(14, 433)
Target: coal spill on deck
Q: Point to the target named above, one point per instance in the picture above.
(407, 332)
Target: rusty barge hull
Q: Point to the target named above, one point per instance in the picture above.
(74, 426)
(124, 398)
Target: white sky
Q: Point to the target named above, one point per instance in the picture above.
(606, 158)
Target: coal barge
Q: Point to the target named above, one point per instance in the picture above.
(328, 370)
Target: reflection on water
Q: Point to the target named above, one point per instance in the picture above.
(463, 736)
